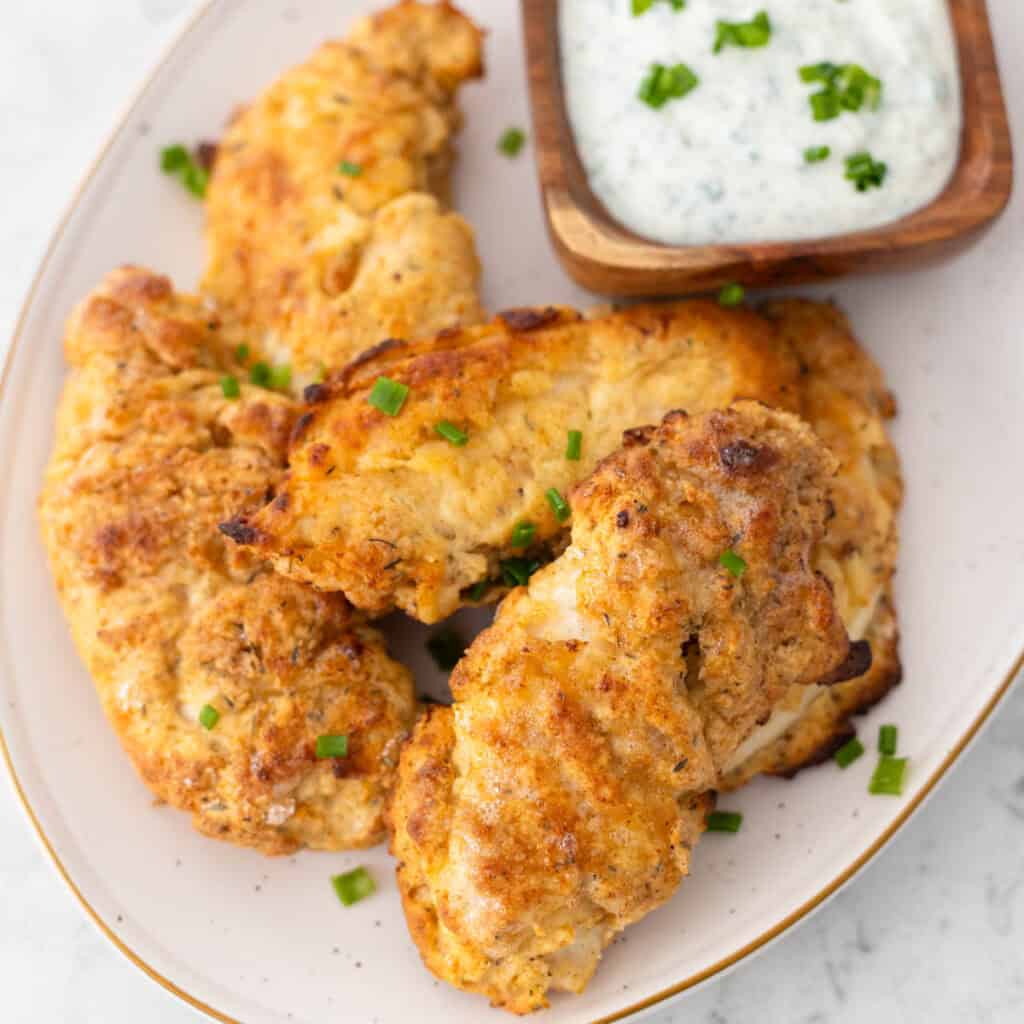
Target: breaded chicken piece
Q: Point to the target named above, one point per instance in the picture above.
(389, 512)
(323, 229)
(558, 800)
(169, 618)
(845, 400)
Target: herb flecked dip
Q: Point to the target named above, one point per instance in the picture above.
(771, 120)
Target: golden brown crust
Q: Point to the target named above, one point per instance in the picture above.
(321, 264)
(169, 616)
(385, 510)
(558, 800)
(845, 400)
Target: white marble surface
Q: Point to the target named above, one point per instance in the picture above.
(933, 930)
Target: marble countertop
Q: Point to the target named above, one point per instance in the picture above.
(932, 930)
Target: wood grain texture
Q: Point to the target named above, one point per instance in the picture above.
(605, 257)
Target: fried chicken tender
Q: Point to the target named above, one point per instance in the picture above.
(150, 455)
(389, 512)
(845, 400)
(558, 800)
(324, 228)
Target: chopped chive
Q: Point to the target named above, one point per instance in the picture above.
(815, 154)
(478, 590)
(446, 647)
(181, 164)
(516, 572)
(865, 172)
(753, 33)
(451, 433)
(174, 158)
(229, 386)
(724, 821)
(643, 6)
(281, 377)
(662, 84)
(241, 353)
(823, 72)
(331, 746)
(512, 141)
(731, 561)
(731, 295)
(825, 105)
(844, 87)
(522, 534)
(259, 374)
(888, 777)
(195, 179)
(574, 446)
(388, 396)
(353, 886)
(209, 716)
(849, 752)
(888, 736)
(349, 169)
(558, 504)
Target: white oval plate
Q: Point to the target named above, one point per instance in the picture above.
(256, 940)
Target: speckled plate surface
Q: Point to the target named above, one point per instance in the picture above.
(260, 941)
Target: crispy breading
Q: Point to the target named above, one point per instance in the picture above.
(168, 617)
(386, 510)
(558, 800)
(392, 514)
(845, 400)
(324, 236)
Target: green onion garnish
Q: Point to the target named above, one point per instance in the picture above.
(209, 716)
(731, 295)
(865, 172)
(478, 590)
(888, 736)
(388, 396)
(522, 534)
(731, 561)
(178, 162)
(888, 777)
(662, 84)
(825, 105)
(844, 87)
(331, 746)
(353, 886)
(849, 752)
(516, 572)
(558, 504)
(643, 6)
(349, 169)
(241, 353)
(724, 821)
(756, 32)
(823, 72)
(446, 647)
(260, 374)
(280, 377)
(815, 154)
(451, 433)
(512, 141)
(574, 446)
(174, 158)
(229, 386)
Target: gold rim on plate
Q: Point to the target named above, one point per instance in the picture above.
(644, 1004)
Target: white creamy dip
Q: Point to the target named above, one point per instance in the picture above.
(725, 163)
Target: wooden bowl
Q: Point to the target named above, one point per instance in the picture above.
(603, 256)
